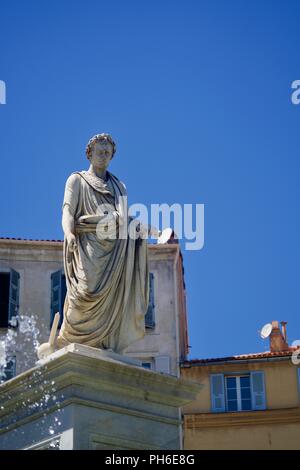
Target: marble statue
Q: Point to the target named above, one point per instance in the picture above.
(107, 278)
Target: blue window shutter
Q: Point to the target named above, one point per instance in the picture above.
(58, 293)
(162, 364)
(63, 292)
(258, 394)
(10, 368)
(14, 294)
(217, 392)
(149, 317)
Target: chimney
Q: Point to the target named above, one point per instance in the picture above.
(283, 327)
(173, 239)
(277, 338)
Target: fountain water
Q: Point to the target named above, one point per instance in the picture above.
(15, 341)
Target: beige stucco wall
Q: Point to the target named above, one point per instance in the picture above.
(255, 437)
(278, 427)
(163, 340)
(281, 382)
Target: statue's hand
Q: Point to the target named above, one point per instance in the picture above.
(71, 239)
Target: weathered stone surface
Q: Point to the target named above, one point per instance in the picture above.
(102, 401)
(107, 271)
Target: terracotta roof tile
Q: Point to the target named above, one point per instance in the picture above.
(30, 239)
(261, 355)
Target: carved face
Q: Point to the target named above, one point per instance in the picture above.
(101, 154)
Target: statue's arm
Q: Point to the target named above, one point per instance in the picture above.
(69, 208)
(68, 224)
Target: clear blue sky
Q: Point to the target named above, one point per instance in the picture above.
(197, 96)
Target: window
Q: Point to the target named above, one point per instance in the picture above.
(149, 317)
(10, 369)
(9, 298)
(147, 365)
(58, 294)
(4, 299)
(238, 392)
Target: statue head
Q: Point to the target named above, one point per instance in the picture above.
(107, 143)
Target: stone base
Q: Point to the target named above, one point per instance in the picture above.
(85, 398)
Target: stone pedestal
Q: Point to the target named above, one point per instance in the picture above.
(84, 398)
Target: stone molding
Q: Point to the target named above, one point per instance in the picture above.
(251, 418)
(104, 399)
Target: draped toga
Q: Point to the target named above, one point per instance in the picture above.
(107, 279)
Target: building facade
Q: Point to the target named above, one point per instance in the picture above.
(32, 284)
(250, 401)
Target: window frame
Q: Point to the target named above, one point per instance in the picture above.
(219, 395)
(12, 359)
(151, 307)
(147, 365)
(237, 377)
(60, 286)
(13, 301)
(6, 322)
